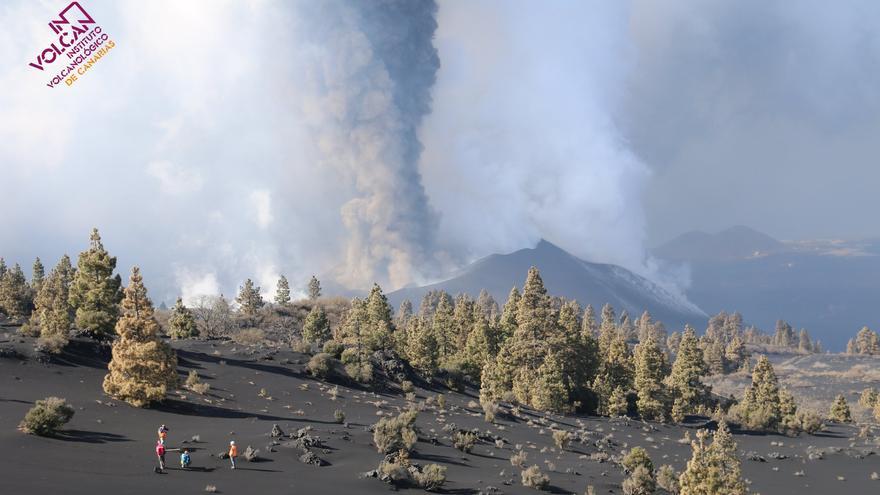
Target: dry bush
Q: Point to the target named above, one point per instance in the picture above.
(561, 439)
(407, 387)
(51, 344)
(464, 441)
(431, 477)
(640, 482)
(519, 459)
(394, 434)
(321, 365)
(490, 410)
(532, 477)
(249, 336)
(393, 471)
(667, 479)
(193, 383)
(46, 417)
(339, 416)
(301, 346)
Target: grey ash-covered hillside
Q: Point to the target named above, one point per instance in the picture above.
(569, 276)
(829, 287)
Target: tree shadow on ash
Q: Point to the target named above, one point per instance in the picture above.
(175, 406)
(191, 357)
(438, 458)
(89, 436)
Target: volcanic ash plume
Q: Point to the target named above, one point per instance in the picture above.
(370, 66)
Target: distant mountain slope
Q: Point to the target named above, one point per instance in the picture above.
(734, 243)
(829, 287)
(568, 276)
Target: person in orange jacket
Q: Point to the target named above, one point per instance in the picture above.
(233, 453)
(163, 433)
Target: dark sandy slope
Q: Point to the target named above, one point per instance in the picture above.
(108, 447)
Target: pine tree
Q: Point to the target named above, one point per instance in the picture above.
(607, 329)
(550, 393)
(481, 346)
(95, 291)
(282, 291)
(39, 273)
(761, 407)
(867, 342)
(444, 330)
(487, 306)
(589, 327)
(463, 319)
(182, 323)
(3, 268)
(615, 372)
(421, 347)
(840, 410)
(684, 381)
(713, 469)
(617, 403)
(378, 333)
(735, 354)
(650, 370)
(143, 367)
(404, 313)
(353, 331)
(16, 296)
(508, 321)
(314, 288)
(316, 328)
(249, 298)
(784, 336)
(804, 342)
(713, 356)
(529, 345)
(53, 315)
(788, 410)
(672, 342)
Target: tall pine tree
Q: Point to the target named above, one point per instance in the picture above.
(95, 291)
(143, 367)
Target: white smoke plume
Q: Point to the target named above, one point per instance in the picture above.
(369, 68)
(522, 143)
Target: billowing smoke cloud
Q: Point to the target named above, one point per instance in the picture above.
(522, 143)
(369, 69)
(259, 138)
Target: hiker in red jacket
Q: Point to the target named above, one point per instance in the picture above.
(160, 453)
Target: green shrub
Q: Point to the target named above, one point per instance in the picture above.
(339, 416)
(407, 387)
(636, 457)
(334, 348)
(46, 417)
(532, 477)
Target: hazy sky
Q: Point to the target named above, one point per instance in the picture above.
(199, 144)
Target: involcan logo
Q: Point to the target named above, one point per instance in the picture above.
(77, 45)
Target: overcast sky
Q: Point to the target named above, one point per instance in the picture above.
(605, 127)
